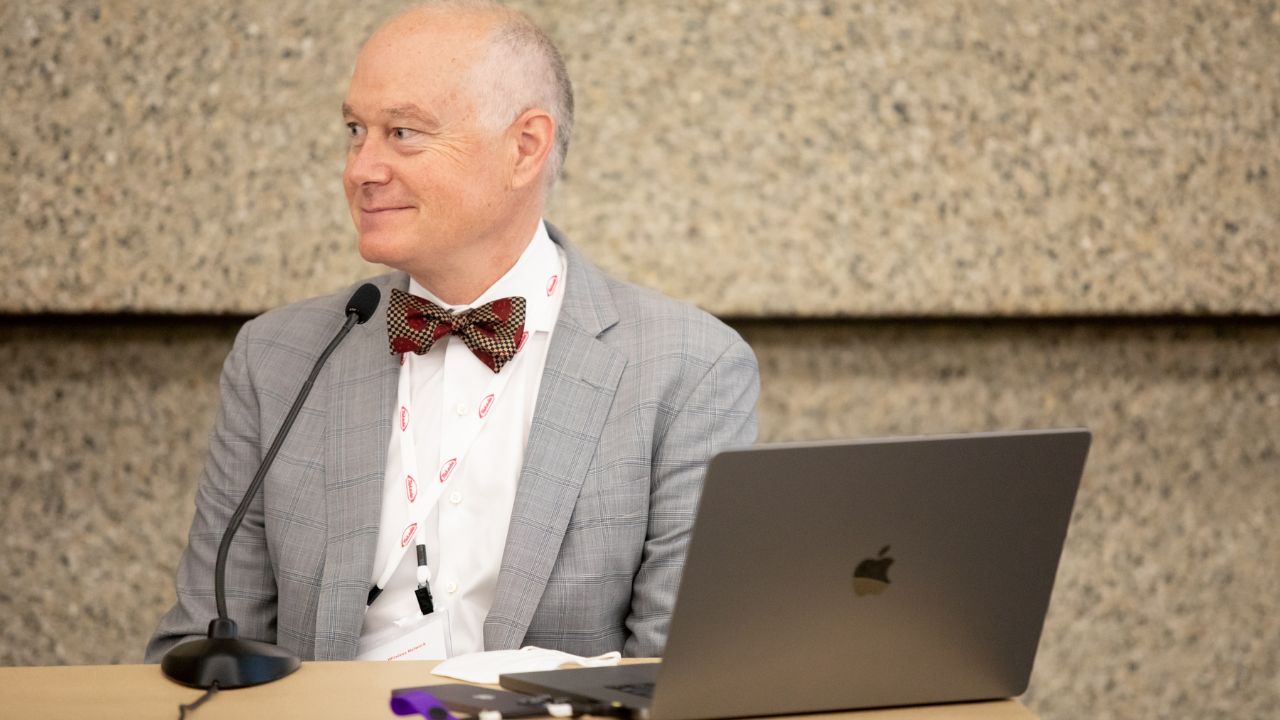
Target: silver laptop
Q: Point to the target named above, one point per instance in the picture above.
(844, 575)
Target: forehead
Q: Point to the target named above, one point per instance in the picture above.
(423, 61)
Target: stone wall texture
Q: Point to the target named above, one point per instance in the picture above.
(780, 157)
(925, 217)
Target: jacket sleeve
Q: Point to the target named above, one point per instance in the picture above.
(235, 451)
(720, 413)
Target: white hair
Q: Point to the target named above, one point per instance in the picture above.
(522, 70)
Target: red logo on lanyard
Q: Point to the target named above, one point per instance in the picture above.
(485, 405)
(551, 284)
(411, 487)
(407, 535)
(404, 418)
(447, 469)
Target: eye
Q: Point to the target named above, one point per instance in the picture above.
(354, 131)
(403, 133)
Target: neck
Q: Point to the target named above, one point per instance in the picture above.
(464, 275)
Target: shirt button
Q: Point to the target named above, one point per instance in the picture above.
(452, 587)
(462, 408)
(455, 497)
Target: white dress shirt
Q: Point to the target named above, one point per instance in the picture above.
(466, 531)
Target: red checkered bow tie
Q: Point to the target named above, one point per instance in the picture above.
(492, 331)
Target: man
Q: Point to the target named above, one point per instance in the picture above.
(437, 485)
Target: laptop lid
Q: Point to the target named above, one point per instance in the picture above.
(842, 575)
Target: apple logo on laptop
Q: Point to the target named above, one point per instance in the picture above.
(871, 577)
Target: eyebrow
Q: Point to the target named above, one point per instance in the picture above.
(406, 111)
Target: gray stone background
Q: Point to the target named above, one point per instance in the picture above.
(925, 217)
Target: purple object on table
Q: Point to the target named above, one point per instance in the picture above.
(418, 702)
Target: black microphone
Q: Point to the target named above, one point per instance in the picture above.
(223, 659)
(363, 302)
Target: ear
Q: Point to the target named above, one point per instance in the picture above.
(533, 138)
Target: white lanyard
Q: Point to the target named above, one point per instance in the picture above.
(421, 494)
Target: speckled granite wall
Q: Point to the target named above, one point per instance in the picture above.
(1166, 595)
(975, 157)
(102, 437)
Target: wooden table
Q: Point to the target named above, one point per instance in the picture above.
(319, 690)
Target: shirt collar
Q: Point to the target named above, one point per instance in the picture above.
(538, 277)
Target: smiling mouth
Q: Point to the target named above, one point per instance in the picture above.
(372, 219)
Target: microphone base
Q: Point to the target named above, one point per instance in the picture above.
(231, 663)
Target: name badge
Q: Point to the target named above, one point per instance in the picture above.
(425, 637)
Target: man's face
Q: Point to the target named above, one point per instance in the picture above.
(422, 176)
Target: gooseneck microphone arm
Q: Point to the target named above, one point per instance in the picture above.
(222, 659)
(354, 317)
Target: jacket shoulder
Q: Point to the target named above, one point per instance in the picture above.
(321, 315)
(658, 323)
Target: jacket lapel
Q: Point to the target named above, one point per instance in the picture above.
(362, 390)
(574, 398)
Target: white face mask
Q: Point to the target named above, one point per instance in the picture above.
(485, 667)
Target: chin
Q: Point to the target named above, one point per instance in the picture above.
(381, 249)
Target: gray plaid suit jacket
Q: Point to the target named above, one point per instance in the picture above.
(638, 393)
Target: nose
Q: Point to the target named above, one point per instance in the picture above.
(367, 163)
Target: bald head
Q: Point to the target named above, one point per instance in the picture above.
(458, 115)
(507, 63)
